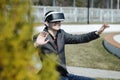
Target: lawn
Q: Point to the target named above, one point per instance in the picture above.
(92, 55)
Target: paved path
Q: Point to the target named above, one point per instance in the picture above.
(84, 28)
(117, 38)
(95, 73)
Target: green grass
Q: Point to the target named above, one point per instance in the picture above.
(92, 55)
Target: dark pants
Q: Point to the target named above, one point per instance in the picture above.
(75, 77)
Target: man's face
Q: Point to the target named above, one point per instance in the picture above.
(54, 25)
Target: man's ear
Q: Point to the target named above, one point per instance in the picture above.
(46, 23)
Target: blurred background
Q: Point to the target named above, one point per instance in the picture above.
(80, 11)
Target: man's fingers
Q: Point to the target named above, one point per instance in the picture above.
(106, 26)
(46, 41)
(43, 34)
(46, 34)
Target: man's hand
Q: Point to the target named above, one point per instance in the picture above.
(41, 39)
(104, 26)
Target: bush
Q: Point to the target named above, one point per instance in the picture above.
(16, 48)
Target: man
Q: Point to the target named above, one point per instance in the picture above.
(53, 40)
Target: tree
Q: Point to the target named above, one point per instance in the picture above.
(16, 47)
(80, 3)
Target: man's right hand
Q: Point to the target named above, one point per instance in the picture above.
(41, 39)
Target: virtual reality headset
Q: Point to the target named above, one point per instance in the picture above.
(54, 16)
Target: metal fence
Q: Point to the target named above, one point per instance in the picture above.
(79, 14)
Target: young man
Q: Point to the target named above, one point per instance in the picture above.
(53, 40)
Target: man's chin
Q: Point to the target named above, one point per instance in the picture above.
(57, 29)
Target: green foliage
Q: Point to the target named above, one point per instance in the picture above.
(48, 71)
(16, 47)
(80, 3)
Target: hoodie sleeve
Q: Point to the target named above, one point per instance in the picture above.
(80, 38)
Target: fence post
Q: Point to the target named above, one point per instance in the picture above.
(111, 16)
(75, 14)
(101, 16)
(88, 6)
